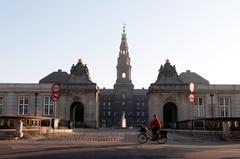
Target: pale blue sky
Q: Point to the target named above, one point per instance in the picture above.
(38, 37)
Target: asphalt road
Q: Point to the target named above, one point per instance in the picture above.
(63, 148)
(120, 151)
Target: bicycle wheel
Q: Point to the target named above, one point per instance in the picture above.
(142, 138)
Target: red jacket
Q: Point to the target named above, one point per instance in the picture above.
(156, 123)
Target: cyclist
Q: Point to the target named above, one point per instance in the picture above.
(155, 125)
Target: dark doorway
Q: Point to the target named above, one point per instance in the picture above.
(77, 115)
(170, 115)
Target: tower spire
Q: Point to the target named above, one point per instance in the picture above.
(124, 64)
(124, 44)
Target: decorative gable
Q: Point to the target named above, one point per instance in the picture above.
(168, 74)
(79, 73)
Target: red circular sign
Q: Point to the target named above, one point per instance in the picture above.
(55, 97)
(55, 92)
(191, 87)
(191, 97)
(55, 87)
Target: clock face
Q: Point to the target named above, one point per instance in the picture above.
(191, 87)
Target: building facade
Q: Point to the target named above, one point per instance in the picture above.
(83, 104)
(169, 99)
(77, 106)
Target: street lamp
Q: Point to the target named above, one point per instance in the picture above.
(211, 95)
(35, 111)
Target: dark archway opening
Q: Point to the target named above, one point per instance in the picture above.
(170, 115)
(77, 115)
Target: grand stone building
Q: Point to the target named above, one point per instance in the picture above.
(83, 104)
(123, 101)
(80, 101)
(169, 99)
(77, 107)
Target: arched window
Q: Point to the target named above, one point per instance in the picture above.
(123, 75)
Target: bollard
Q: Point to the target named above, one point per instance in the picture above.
(19, 129)
(236, 124)
(226, 130)
(56, 123)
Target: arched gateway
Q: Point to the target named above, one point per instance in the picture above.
(77, 115)
(170, 115)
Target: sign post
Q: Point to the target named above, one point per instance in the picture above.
(55, 92)
(191, 95)
(55, 97)
(191, 99)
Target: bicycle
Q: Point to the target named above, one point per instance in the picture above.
(146, 135)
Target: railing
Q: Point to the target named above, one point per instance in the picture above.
(209, 124)
(9, 122)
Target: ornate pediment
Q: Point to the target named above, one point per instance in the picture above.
(168, 74)
(79, 73)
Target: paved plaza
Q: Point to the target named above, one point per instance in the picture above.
(117, 144)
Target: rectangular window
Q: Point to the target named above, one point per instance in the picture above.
(48, 106)
(23, 105)
(1, 105)
(109, 113)
(224, 107)
(221, 101)
(199, 107)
